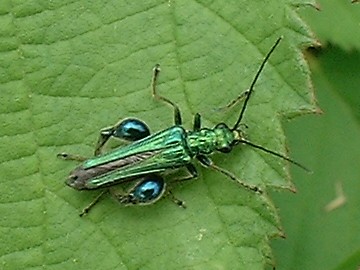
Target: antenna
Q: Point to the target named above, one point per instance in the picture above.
(262, 148)
(251, 89)
(253, 83)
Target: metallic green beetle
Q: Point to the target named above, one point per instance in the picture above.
(169, 149)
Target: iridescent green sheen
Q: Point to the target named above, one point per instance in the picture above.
(148, 157)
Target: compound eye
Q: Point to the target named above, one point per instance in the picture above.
(148, 190)
(131, 129)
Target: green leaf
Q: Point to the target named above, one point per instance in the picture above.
(336, 22)
(70, 68)
(319, 237)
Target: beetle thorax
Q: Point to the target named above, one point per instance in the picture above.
(206, 141)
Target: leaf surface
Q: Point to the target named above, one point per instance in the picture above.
(70, 68)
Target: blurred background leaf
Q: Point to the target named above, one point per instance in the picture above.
(336, 22)
(329, 144)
